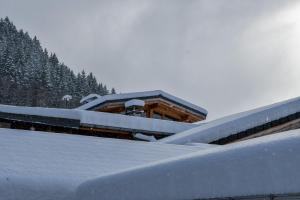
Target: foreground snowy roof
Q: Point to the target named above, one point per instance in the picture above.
(262, 166)
(142, 95)
(40, 165)
(73, 118)
(231, 125)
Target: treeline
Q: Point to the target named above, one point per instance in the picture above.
(30, 76)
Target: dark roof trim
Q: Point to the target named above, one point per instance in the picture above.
(275, 196)
(52, 121)
(129, 130)
(257, 129)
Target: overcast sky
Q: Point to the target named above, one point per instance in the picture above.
(226, 56)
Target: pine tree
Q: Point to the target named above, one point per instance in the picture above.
(113, 91)
(30, 76)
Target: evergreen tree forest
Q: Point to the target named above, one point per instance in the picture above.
(31, 76)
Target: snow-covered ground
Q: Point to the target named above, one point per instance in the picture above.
(44, 166)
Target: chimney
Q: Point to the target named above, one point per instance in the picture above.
(135, 107)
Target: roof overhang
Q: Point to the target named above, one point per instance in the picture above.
(93, 105)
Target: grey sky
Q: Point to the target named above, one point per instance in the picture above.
(227, 56)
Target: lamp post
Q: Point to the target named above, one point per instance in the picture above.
(66, 99)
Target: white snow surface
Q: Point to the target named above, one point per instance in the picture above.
(134, 102)
(90, 96)
(50, 166)
(144, 137)
(137, 95)
(41, 111)
(261, 166)
(67, 98)
(230, 125)
(104, 120)
(202, 145)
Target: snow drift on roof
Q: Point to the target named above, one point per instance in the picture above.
(39, 111)
(262, 166)
(230, 125)
(104, 120)
(134, 102)
(137, 95)
(90, 96)
(40, 165)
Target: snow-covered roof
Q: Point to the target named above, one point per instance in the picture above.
(88, 97)
(134, 102)
(39, 165)
(143, 95)
(262, 166)
(233, 124)
(74, 118)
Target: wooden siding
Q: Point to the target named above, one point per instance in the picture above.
(167, 110)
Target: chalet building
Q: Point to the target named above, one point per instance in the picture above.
(45, 152)
(151, 104)
(141, 116)
(151, 116)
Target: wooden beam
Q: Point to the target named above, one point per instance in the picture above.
(164, 108)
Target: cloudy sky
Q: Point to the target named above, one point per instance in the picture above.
(227, 56)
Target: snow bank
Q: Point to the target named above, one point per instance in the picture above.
(47, 166)
(262, 166)
(230, 125)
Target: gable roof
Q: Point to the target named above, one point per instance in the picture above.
(254, 168)
(238, 123)
(72, 118)
(40, 165)
(143, 95)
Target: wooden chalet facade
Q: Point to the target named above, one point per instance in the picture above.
(157, 104)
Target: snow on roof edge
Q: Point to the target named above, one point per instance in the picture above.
(90, 96)
(101, 119)
(140, 95)
(232, 124)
